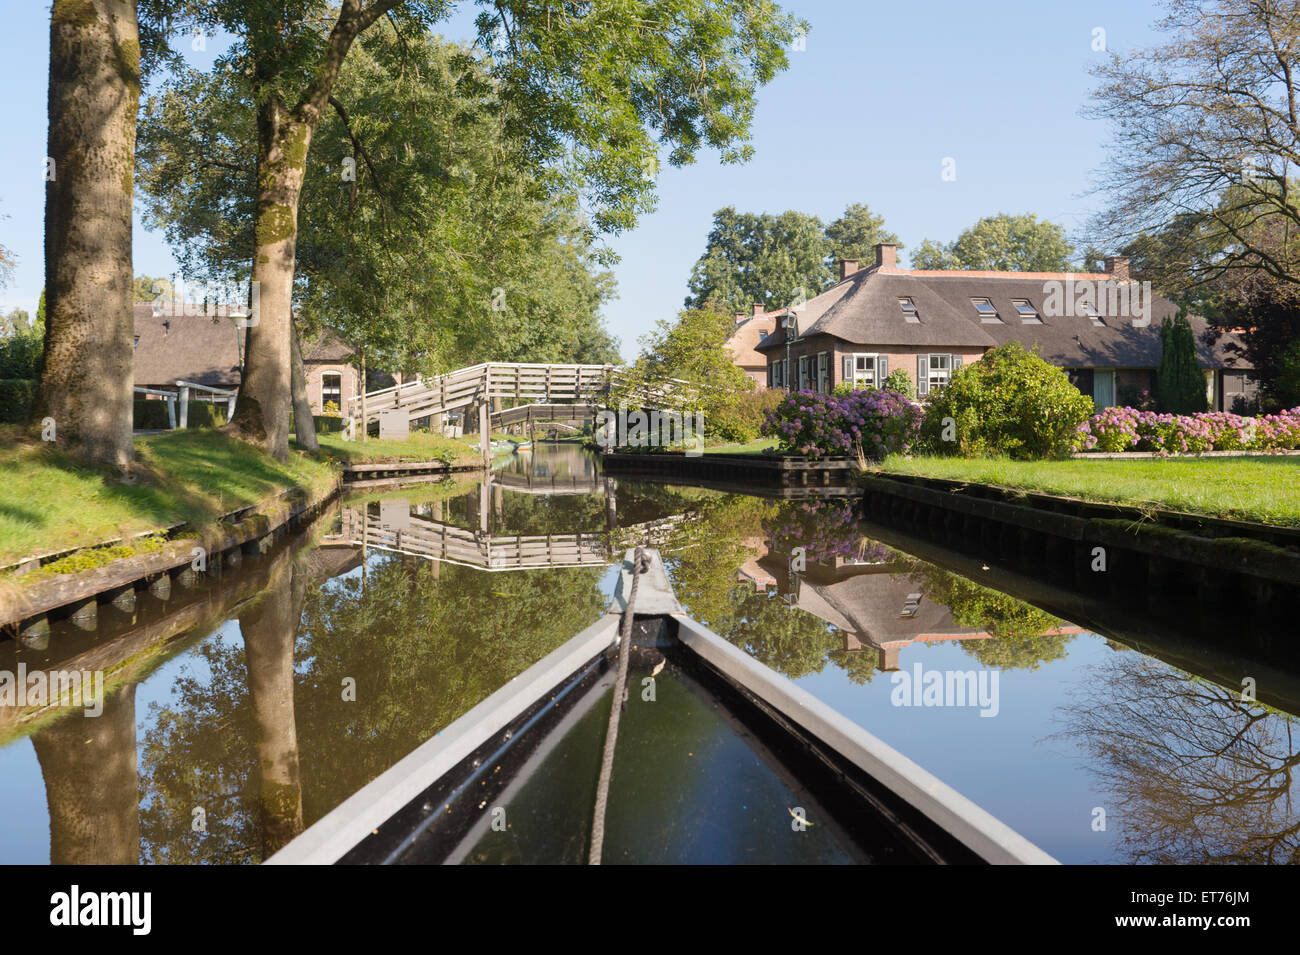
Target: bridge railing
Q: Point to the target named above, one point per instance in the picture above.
(519, 381)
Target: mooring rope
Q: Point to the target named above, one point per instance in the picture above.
(639, 565)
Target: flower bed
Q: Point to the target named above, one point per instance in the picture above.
(873, 422)
(1128, 429)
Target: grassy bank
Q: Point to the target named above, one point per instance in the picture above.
(49, 503)
(422, 446)
(1263, 489)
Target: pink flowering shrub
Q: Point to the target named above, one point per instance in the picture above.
(872, 421)
(1128, 429)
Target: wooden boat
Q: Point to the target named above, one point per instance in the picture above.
(523, 445)
(718, 759)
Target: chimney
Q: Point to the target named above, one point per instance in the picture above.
(759, 308)
(1117, 267)
(741, 317)
(886, 255)
(847, 268)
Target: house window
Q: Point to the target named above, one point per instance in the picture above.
(805, 372)
(864, 370)
(987, 313)
(934, 371)
(909, 310)
(1028, 314)
(331, 389)
(824, 372)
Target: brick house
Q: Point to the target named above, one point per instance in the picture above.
(930, 323)
(204, 345)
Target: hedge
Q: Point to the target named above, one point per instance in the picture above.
(17, 395)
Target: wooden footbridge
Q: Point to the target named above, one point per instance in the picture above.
(536, 392)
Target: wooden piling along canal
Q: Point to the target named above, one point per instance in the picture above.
(1096, 547)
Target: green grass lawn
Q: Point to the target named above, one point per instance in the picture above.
(49, 503)
(757, 446)
(1248, 488)
(422, 446)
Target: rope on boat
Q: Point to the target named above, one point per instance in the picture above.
(639, 565)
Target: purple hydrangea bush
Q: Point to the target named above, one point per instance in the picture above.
(873, 422)
(1128, 429)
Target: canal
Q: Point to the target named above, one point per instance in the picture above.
(248, 704)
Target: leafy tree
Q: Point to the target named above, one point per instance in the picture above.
(778, 260)
(1205, 137)
(692, 349)
(855, 235)
(1001, 243)
(148, 289)
(596, 91)
(1179, 377)
(773, 260)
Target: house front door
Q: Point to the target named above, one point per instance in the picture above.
(1103, 389)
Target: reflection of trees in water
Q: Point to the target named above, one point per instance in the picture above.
(1024, 637)
(422, 652)
(1199, 776)
(704, 557)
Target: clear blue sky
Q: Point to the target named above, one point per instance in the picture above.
(867, 112)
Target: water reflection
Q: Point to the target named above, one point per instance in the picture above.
(1197, 775)
(245, 707)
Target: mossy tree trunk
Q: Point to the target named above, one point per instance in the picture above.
(94, 94)
(284, 137)
(304, 423)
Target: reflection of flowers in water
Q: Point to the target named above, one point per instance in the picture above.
(826, 530)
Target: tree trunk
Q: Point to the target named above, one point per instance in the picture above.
(269, 630)
(304, 423)
(89, 325)
(262, 409)
(92, 783)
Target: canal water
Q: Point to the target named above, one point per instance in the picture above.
(251, 702)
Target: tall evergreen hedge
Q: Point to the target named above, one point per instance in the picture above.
(1179, 378)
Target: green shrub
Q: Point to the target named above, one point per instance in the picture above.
(740, 419)
(20, 355)
(17, 395)
(328, 424)
(899, 380)
(1009, 403)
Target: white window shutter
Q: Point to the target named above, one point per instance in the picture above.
(882, 370)
(956, 362)
(922, 374)
(847, 366)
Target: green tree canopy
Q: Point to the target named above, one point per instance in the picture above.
(1000, 243)
(779, 260)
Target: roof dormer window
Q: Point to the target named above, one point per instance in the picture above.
(1028, 314)
(1087, 308)
(910, 314)
(987, 313)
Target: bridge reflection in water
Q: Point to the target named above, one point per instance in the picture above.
(232, 696)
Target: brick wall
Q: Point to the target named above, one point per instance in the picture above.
(316, 373)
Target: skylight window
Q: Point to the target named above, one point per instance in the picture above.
(909, 309)
(1091, 311)
(987, 313)
(1028, 314)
